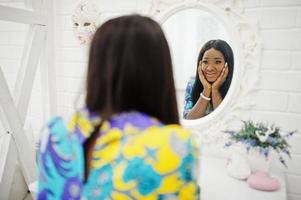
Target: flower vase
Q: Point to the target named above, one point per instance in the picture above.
(257, 161)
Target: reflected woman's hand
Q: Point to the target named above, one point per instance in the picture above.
(221, 79)
(207, 86)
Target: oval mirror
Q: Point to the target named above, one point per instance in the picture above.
(190, 24)
(187, 31)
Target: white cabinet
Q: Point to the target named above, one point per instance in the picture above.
(216, 184)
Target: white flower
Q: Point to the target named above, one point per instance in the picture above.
(264, 136)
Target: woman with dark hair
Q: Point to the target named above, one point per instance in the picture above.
(126, 143)
(213, 77)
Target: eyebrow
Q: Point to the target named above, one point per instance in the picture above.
(213, 58)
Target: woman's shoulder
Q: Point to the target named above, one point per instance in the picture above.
(145, 124)
(60, 130)
(173, 136)
(176, 129)
(56, 128)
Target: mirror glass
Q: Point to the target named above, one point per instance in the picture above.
(187, 31)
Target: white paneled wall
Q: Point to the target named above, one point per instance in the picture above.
(12, 42)
(278, 100)
(14, 4)
(279, 97)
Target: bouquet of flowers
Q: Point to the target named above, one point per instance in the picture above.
(263, 138)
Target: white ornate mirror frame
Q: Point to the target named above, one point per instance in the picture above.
(247, 56)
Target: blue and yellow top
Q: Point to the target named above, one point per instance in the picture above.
(188, 103)
(135, 157)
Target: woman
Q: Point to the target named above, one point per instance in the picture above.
(127, 142)
(213, 77)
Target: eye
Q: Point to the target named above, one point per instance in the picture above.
(205, 62)
(87, 24)
(75, 24)
(218, 62)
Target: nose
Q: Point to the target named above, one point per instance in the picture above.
(210, 67)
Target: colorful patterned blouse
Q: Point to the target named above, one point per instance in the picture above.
(188, 103)
(136, 157)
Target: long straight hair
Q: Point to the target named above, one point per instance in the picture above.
(226, 50)
(130, 69)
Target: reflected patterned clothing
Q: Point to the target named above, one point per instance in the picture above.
(188, 103)
(136, 157)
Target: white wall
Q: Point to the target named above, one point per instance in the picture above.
(12, 41)
(279, 98)
(279, 94)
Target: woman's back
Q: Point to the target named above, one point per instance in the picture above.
(127, 154)
(135, 157)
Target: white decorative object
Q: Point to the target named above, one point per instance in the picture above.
(258, 161)
(85, 21)
(238, 166)
(262, 139)
(264, 136)
(247, 57)
(217, 185)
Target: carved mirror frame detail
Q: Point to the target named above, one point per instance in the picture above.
(247, 56)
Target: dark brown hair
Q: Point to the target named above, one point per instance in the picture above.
(130, 69)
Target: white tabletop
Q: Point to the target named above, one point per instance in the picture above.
(216, 184)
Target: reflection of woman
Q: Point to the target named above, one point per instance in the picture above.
(214, 73)
(126, 143)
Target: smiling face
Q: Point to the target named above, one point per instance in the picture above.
(212, 64)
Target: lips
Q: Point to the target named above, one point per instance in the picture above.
(210, 77)
(210, 74)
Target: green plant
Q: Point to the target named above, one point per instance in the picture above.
(261, 137)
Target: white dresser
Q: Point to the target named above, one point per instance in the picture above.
(216, 184)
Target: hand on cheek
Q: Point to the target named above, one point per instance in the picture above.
(205, 83)
(221, 79)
